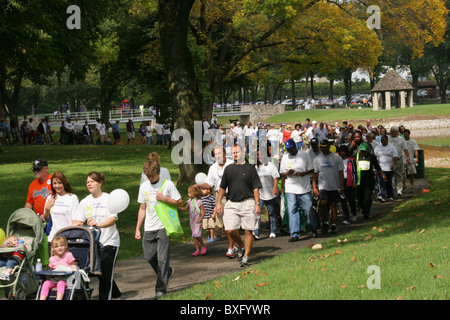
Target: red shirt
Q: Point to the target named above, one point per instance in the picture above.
(38, 193)
(286, 135)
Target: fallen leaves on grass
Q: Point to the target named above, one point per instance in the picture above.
(263, 284)
(208, 295)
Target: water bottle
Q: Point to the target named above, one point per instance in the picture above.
(38, 265)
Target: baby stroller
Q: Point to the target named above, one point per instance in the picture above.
(83, 242)
(28, 227)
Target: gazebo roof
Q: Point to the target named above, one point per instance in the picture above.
(392, 81)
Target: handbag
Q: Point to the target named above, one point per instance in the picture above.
(168, 215)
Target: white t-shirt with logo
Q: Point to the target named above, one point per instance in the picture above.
(97, 210)
(62, 212)
(147, 195)
(301, 162)
(385, 154)
(267, 174)
(328, 167)
(411, 145)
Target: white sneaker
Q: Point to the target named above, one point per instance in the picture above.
(4, 277)
(255, 236)
(230, 253)
(346, 222)
(240, 253)
(244, 261)
(272, 235)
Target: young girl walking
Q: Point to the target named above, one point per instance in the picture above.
(196, 214)
(61, 257)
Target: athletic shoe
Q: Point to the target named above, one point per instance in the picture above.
(272, 235)
(380, 198)
(353, 218)
(333, 228)
(346, 222)
(230, 253)
(240, 253)
(391, 199)
(294, 239)
(255, 236)
(325, 227)
(159, 295)
(315, 234)
(4, 277)
(399, 194)
(244, 261)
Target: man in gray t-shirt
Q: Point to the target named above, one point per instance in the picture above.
(328, 183)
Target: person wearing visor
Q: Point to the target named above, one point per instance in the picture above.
(296, 168)
(328, 183)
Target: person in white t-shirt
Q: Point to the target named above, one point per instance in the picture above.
(387, 157)
(102, 131)
(269, 176)
(248, 134)
(159, 134)
(61, 206)
(297, 136)
(399, 170)
(296, 168)
(239, 133)
(213, 180)
(413, 151)
(155, 242)
(328, 183)
(94, 210)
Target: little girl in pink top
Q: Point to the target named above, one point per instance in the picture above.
(196, 214)
(61, 257)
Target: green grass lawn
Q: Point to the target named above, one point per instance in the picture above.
(409, 247)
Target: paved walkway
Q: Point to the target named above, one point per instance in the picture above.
(137, 280)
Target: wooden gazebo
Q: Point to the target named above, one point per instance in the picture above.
(392, 82)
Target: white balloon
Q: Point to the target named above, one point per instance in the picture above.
(118, 201)
(200, 178)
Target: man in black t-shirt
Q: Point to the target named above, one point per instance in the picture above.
(242, 208)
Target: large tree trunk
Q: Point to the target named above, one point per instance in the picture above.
(184, 91)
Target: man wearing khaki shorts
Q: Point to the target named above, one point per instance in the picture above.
(242, 207)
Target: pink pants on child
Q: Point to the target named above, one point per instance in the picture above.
(48, 285)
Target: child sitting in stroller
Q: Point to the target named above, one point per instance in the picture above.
(10, 259)
(62, 260)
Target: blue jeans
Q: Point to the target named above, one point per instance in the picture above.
(9, 263)
(304, 201)
(271, 210)
(159, 139)
(386, 188)
(150, 140)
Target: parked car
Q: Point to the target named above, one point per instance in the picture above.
(422, 93)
